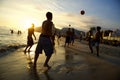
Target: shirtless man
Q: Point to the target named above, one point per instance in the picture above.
(98, 38)
(29, 38)
(45, 42)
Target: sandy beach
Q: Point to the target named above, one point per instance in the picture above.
(68, 63)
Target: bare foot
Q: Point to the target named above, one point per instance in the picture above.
(47, 66)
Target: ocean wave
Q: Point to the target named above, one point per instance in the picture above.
(7, 48)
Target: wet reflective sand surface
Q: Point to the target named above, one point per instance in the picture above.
(68, 63)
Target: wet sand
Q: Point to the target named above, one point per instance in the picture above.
(68, 63)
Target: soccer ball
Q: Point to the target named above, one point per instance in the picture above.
(82, 12)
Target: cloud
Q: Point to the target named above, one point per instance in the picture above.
(65, 12)
(81, 22)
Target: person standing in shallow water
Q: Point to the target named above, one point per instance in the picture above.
(46, 41)
(29, 38)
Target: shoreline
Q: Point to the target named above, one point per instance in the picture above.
(69, 63)
(104, 48)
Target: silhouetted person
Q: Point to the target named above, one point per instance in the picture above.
(58, 38)
(19, 32)
(72, 36)
(98, 37)
(68, 35)
(11, 31)
(80, 36)
(90, 40)
(45, 42)
(29, 38)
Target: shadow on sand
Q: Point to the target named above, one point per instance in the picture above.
(34, 73)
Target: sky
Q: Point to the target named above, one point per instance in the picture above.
(20, 14)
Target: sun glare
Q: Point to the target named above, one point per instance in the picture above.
(27, 23)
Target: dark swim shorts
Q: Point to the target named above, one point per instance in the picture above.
(29, 41)
(45, 44)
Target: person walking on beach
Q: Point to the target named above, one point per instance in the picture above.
(90, 40)
(58, 37)
(72, 36)
(68, 35)
(29, 38)
(98, 38)
(80, 37)
(45, 42)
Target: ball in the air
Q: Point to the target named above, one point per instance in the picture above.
(82, 12)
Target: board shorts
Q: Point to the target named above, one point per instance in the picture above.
(67, 39)
(93, 43)
(97, 44)
(72, 38)
(30, 41)
(45, 44)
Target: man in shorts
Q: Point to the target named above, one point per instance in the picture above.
(45, 42)
(67, 39)
(30, 41)
(90, 40)
(98, 38)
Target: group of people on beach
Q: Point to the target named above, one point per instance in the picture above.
(94, 40)
(47, 37)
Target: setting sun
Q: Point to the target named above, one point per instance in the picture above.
(27, 23)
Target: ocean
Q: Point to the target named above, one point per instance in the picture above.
(13, 41)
